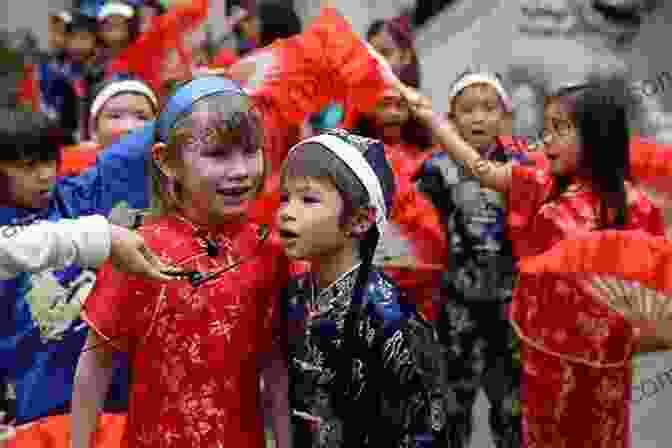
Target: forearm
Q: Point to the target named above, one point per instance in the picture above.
(92, 380)
(44, 245)
(496, 177)
(275, 400)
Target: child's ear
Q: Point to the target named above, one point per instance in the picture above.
(162, 159)
(362, 221)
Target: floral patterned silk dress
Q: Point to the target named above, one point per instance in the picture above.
(194, 350)
(575, 351)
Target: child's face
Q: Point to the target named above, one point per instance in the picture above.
(120, 115)
(81, 45)
(114, 31)
(219, 174)
(309, 219)
(28, 183)
(478, 114)
(391, 111)
(560, 138)
(57, 34)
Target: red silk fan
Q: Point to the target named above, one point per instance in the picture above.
(629, 271)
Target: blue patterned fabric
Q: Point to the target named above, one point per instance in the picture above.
(391, 380)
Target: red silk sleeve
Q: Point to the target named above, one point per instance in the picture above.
(530, 187)
(118, 308)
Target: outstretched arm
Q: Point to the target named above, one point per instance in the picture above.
(87, 241)
(36, 247)
(491, 175)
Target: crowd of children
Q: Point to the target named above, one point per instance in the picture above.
(345, 258)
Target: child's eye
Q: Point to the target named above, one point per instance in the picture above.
(311, 200)
(284, 197)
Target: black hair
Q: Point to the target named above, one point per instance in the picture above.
(600, 111)
(313, 160)
(82, 22)
(276, 21)
(29, 136)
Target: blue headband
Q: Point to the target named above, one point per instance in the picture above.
(184, 98)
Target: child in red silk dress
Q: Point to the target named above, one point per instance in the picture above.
(196, 349)
(575, 352)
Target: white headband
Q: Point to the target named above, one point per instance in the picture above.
(480, 78)
(116, 9)
(127, 86)
(355, 160)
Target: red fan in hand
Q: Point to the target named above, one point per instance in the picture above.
(629, 271)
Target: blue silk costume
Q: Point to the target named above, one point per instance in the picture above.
(390, 394)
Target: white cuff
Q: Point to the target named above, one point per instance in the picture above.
(96, 240)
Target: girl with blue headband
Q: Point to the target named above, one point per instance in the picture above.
(195, 345)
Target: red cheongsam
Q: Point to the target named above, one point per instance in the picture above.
(576, 352)
(194, 350)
